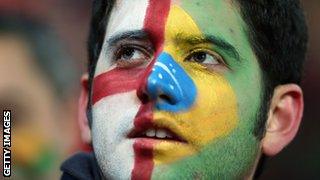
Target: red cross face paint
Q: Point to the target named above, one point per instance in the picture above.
(169, 93)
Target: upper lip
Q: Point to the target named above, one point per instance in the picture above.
(146, 128)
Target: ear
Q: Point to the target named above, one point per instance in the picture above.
(284, 118)
(82, 114)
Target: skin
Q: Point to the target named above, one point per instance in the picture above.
(247, 98)
(217, 126)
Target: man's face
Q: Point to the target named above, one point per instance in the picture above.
(176, 92)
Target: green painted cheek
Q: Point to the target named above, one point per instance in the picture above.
(220, 160)
(232, 156)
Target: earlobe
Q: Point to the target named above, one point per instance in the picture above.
(284, 118)
(82, 116)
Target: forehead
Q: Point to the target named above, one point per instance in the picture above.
(219, 17)
(127, 16)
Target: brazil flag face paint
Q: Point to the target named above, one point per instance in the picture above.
(176, 92)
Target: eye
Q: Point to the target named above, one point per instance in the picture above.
(204, 57)
(129, 53)
(131, 56)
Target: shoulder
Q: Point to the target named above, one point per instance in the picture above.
(80, 166)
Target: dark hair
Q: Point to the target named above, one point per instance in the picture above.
(278, 36)
(100, 15)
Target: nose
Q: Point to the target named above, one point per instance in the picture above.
(169, 85)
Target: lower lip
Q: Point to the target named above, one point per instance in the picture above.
(148, 143)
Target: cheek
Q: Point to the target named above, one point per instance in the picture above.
(115, 102)
(114, 114)
(214, 112)
(115, 105)
(112, 120)
(213, 115)
(223, 147)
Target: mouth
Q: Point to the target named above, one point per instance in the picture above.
(148, 130)
(155, 133)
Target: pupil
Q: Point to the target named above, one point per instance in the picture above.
(128, 53)
(200, 57)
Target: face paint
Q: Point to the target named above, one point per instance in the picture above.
(216, 117)
(231, 151)
(170, 79)
(202, 106)
(115, 101)
(156, 14)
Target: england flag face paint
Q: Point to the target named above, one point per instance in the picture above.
(176, 92)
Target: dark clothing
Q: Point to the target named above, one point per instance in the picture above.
(81, 166)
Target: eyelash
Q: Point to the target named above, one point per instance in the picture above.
(209, 52)
(131, 46)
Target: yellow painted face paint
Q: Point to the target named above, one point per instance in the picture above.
(214, 113)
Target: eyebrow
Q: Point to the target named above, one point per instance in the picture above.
(219, 42)
(129, 35)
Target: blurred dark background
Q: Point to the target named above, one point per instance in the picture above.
(301, 159)
(65, 24)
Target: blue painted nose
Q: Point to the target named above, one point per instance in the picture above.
(170, 86)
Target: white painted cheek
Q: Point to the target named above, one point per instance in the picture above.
(113, 119)
(127, 15)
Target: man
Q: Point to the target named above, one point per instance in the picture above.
(190, 89)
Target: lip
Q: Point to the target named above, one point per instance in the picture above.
(145, 123)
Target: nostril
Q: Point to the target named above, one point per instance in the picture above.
(166, 98)
(144, 98)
